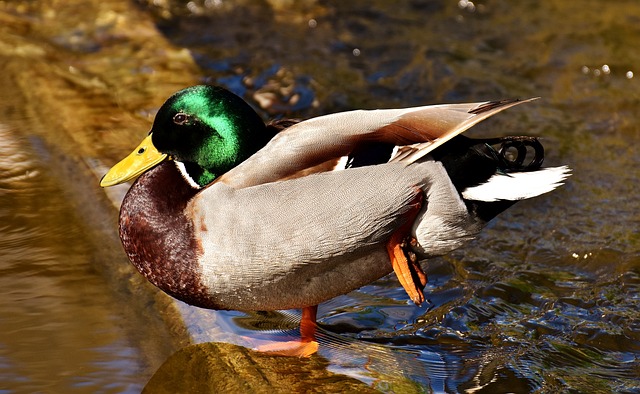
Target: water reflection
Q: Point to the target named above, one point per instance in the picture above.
(533, 331)
(61, 327)
(547, 298)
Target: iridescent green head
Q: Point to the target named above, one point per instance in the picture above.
(207, 128)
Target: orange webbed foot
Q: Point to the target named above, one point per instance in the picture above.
(295, 348)
(303, 347)
(408, 271)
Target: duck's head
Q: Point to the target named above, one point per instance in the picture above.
(207, 129)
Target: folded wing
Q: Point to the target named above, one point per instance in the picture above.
(317, 144)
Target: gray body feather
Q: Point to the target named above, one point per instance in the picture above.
(299, 242)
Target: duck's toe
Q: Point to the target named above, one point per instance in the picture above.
(408, 271)
(294, 348)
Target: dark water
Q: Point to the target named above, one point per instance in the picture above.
(546, 300)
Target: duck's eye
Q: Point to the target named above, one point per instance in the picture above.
(180, 118)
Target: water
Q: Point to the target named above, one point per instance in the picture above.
(547, 299)
(61, 325)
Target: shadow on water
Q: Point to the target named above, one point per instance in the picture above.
(547, 298)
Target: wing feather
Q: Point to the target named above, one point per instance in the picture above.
(305, 146)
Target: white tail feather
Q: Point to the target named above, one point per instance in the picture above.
(519, 185)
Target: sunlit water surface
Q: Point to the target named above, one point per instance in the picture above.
(547, 298)
(61, 328)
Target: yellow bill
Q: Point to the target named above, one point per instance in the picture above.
(144, 157)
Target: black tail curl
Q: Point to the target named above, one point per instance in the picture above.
(471, 162)
(513, 152)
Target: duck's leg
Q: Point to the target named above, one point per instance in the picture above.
(308, 323)
(305, 346)
(408, 271)
(413, 259)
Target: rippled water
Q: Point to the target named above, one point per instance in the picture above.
(61, 327)
(548, 297)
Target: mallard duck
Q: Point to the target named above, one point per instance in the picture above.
(230, 213)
